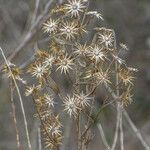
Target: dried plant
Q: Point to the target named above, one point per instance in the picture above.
(88, 63)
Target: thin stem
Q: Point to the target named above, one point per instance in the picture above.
(121, 133)
(132, 125)
(20, 99)
(103, 136)
(136, 131)
(117, 94)
(117, 128)
(79, 132)
(35, 12)
(93, 120)
(39, 138)
(14, 117)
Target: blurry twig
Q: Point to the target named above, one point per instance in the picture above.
(35, 12)
(30, 34)
(31, 59)
(20, 99)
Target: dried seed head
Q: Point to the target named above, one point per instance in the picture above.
(64, 64)
(106, 37)
(49, 100)
(126, 76)
(70, 104)
(96, 53)
(38, 70)
(95, 14)
(83, 100)
(48, 62)
(126, 97)
(69, 30)
(12, 69)
(74, 7)
(31, 90)
(81, 49)
(102, 77)
(50, 26)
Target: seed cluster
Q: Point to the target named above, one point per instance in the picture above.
(88, 64)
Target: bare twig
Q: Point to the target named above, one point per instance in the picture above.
(20, 99)
(103, 136)
(35, 12)
(31, 33)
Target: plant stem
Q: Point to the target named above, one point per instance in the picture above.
(20, 99)
(121, 133)
(14, 117)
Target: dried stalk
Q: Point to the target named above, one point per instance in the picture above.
(103, 136)
(117, 104)
(121, 133)
(35, 12)
(20, 99)
(14, 117)
(117, 128)
(133, 126)
(39, 139)
(136, 131)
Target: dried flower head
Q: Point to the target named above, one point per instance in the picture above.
(96, 53)
(126, 97)
(106, 37)
(31, 90)
(12, 69)
(48, 62)
(95, 14)
(126, 76)
(83, 100)
(102, 77)
(64, 64)
(119, 60)
(81, 49)
(50, 26)
(54, 129)
(74, 7)
(53, 132)
(132, 69)
(70, 104)
(38, 70)
(123, 46)
(69, 30)
(49, 100)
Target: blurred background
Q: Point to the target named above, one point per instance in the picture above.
(131, 21)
